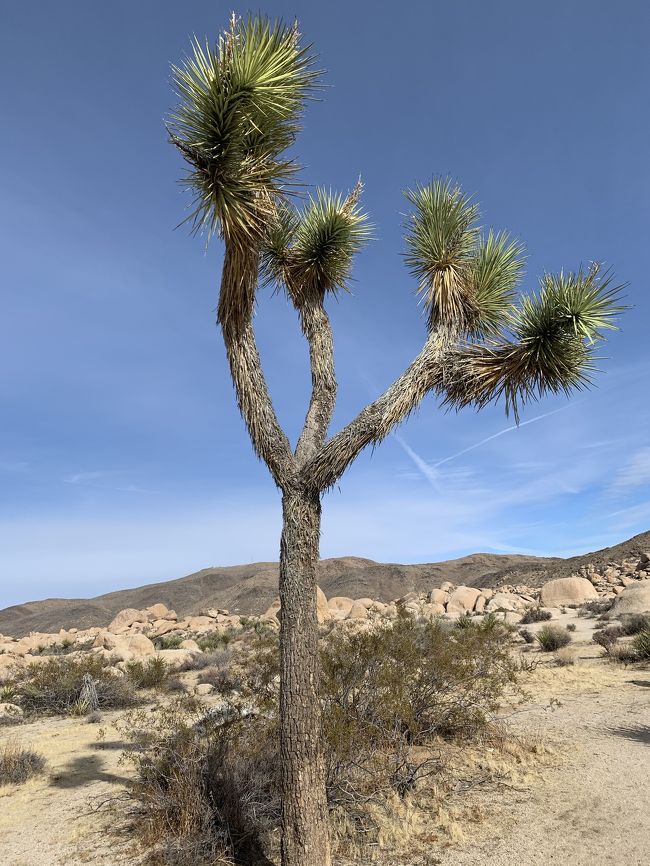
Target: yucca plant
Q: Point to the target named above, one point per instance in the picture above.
(239, 107)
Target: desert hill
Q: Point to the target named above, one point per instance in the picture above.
(250, 589)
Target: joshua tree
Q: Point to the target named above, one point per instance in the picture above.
(239, 105)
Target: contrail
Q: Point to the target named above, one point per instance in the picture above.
(500, 433)
(429, 471)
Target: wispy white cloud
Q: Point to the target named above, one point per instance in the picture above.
(635, 473)
(85, 477)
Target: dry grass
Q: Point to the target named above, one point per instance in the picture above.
(18, 764)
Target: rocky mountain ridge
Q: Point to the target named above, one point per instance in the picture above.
(250, 589)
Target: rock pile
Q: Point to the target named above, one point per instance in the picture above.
(136, 634)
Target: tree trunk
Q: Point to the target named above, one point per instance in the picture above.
(305, 825)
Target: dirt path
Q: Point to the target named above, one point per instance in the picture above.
(52, 819)
(592, 807)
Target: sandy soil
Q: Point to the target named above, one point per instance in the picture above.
(53, 819)
(592, 807)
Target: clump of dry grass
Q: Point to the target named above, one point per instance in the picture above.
(18, 764)
(565, 657)
(553, 637)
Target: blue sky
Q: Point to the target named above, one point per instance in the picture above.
(122, 457)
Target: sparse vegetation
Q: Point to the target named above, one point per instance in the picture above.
(553, 637)
(54, 687)
(18, 764)
(565, 657)
(641, 644)
(535, 614)
(527, 635)
(389, 695)
(168, 641)
(149, 673)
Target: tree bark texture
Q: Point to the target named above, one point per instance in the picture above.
(305, 823)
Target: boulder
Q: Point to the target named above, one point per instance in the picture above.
(190, 645)
(438, 596)
(198, 623)
(126, 618)
(158, 611)
(634, 599)
(140, 645)
(567, 590)
(10, 712)
(203, 689)
(340, 606)
(433, 610)
(322, 608)
(368, 603)
(358, 611)
(502, 601)
(462, 599)
(176, 658)
(481, 601)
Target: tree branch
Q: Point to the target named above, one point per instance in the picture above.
(239, 280)
(375, 422)
(316, 327)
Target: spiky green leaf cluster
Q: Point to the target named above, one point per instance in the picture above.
(496, 270)
(465, 279)
(311, 251)
(550, 347)
(238, 111)
(441, 239)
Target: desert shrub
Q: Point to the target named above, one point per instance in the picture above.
(18, 764)
(215, 640)
(571, 627)
(168, 641)
(624, 653)
(641, 644)
(608, 637)
(565, 657)
(553, 637)
(174, 684)
(223, 680)
(390, 692)
(535, 614)
(147, 674)
(55, 686)
(8, 693)
(211, 789)
(598, 607)
(634, 623)
(205, 799)
(527, 635)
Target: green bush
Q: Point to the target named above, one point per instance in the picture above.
(535, 614)
(641, 644)
(553, 637)
(634, 623)
(18, 764)
(148, 674)
(215, 640)
(168, 641)
(607, 637)
(54, 687)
